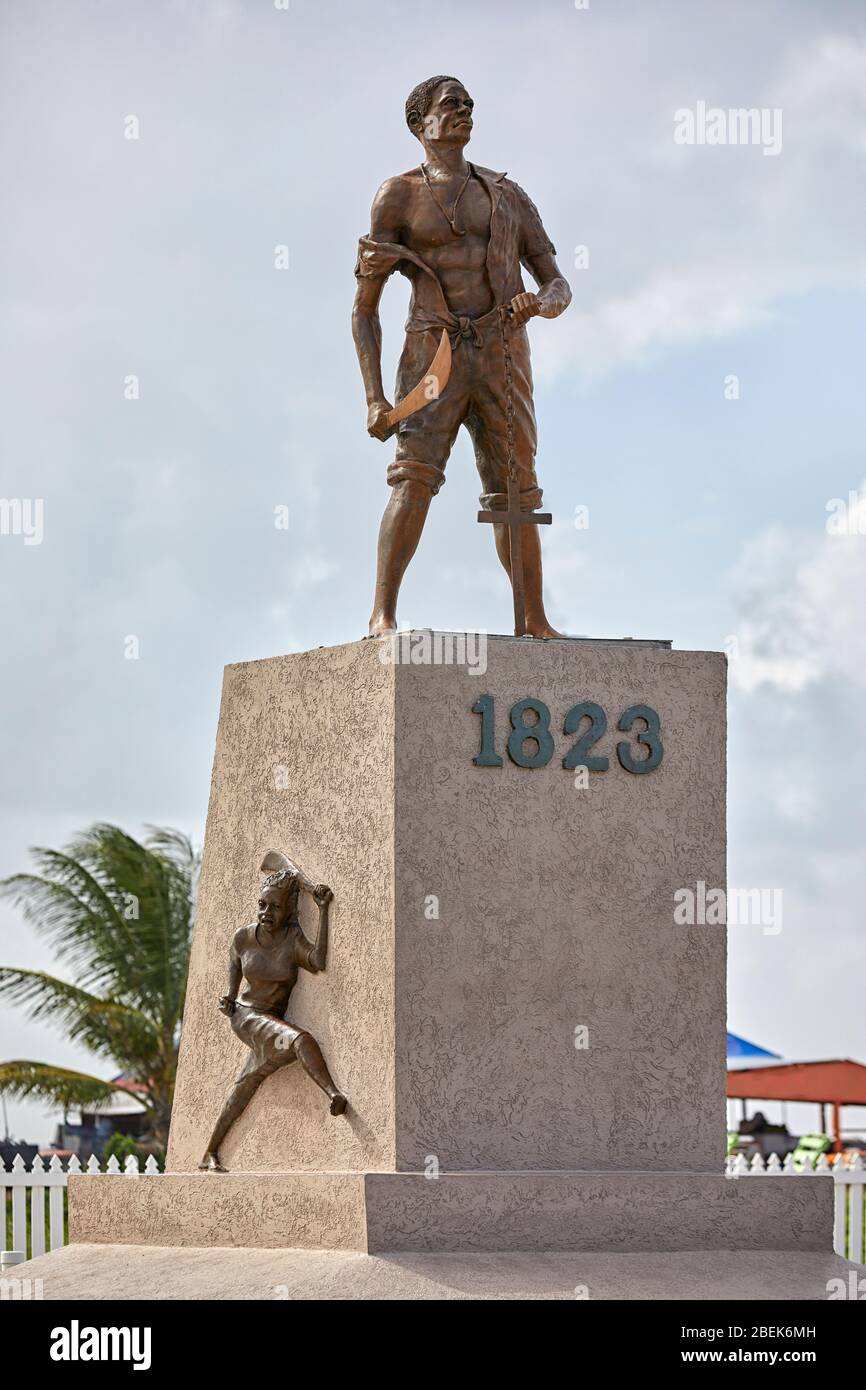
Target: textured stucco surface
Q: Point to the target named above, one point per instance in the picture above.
(556, 910)
(597, 1211)
(116, 1272)
(454, 1036)
(322, 722)
(458, 1211)
(307, 1210)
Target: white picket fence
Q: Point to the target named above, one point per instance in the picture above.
(849, 1179)
(20, 1180)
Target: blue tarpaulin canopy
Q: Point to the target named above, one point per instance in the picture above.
(741, 1047)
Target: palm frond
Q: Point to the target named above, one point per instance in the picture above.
(118, 912)
(26, 1080)
(107, 1028)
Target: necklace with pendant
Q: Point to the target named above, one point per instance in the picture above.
(449, 216)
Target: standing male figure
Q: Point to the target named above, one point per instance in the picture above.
(460, 233)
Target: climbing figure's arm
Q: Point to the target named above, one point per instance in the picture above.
(312, 956)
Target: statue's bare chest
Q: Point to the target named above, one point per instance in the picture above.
(429, 227)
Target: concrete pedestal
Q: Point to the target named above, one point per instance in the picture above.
(481, 1212)
(506, 986)
(533, 1049)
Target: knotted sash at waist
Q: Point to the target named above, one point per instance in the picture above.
(459, 327)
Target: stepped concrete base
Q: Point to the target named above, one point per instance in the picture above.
(123, 1272)
(466, 1212)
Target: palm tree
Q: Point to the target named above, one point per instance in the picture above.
(119, 915)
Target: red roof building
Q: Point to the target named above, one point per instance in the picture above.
(833, 1083)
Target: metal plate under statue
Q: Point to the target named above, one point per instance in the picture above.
(268, 954)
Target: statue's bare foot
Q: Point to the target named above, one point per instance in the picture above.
(542, 629)
(211, 1163)
(338, 1104)
(381, 624)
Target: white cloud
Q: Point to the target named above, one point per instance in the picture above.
(797, 768)
(801, 597)
(732, 234)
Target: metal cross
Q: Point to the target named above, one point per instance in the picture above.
(514, 519)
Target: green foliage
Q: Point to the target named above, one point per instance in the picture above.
(118, 913)
(122, 1145)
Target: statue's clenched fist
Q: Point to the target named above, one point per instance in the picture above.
(524, 306)
(377, 420)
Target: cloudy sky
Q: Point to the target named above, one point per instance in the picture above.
(703, 397)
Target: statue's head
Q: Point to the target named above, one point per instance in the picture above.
(276, 899)
(440, 110)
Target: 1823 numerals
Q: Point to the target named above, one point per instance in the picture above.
(531, 743)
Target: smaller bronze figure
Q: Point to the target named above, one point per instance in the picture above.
(268, 954)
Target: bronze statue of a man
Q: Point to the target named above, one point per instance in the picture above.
(268, 954)
(460, 233)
